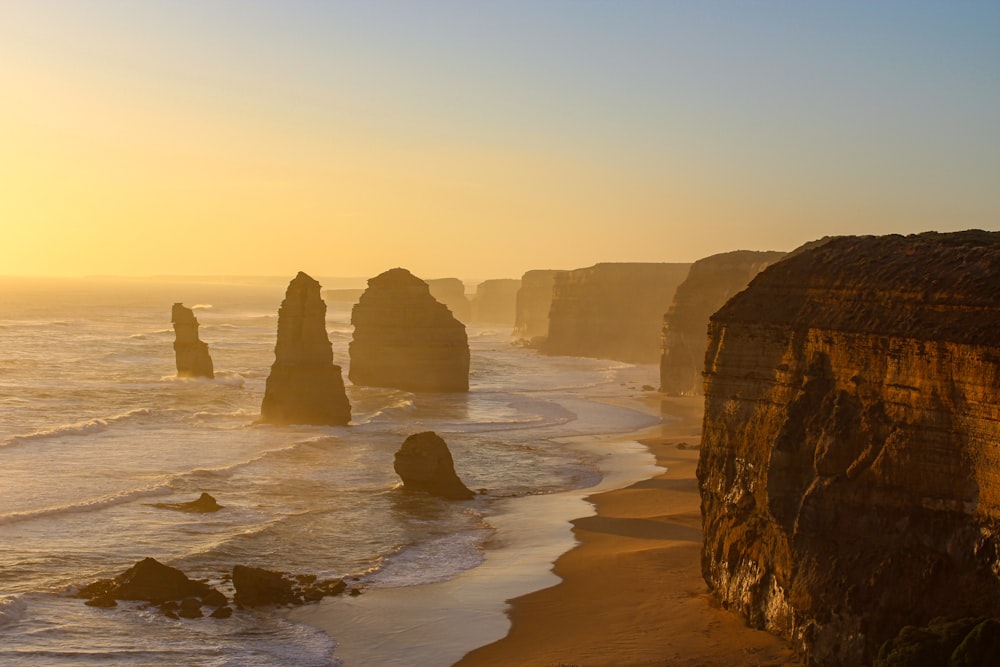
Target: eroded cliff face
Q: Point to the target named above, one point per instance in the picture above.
(531, 306)
(404, 338)
(190, 353)
(304, 386)
(709, 284)
(451, 292)
(612, 311)
(850, 467)
(495, 301)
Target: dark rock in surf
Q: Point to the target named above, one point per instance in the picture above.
(305, 386)
(256, 586)
(205, 503)
(191, 354)
(406, 339)
(150, 581)
(425, 464)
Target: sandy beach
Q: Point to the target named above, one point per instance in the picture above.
(625, 589)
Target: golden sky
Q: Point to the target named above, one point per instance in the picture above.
(479, 139)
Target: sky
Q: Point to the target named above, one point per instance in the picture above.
(482, 139)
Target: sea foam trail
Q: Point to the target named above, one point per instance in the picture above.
(78, 429)
(12, 609)
(87, 505)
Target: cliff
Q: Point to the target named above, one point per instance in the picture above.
(406, 339)
(190, 353)
(495, 301)
(305, 386)
(612, 311)
(531, 307)
(451, 292)
(849, 470)
(709, 284)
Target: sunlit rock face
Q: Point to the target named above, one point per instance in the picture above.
(612, 311)
(709, 284)
(305, 386)
(850, 467)
(531, 308)
(191, 354)
(495, 301)
(451, 292)
(404, 338)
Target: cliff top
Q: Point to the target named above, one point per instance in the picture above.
(931, 286)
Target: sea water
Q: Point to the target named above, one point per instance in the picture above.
(95, 429)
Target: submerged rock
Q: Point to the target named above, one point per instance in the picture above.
(304, 386)
(191, 354)
(404, 338)
(204, 503)
(849, 469)
(425, 464)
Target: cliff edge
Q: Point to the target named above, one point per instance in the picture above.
(849, 470)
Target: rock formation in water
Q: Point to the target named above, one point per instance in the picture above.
(425, 464)
(404, 338)
(495, 301)
(709, 284)
(451, 292)
(612, 311)
(152, 581)
(256, 587)
(204, 503)
(190, 352)
(305, 386)
(532, 304)
(849, 470)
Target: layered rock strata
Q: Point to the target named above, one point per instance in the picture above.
(849, 470)
(709, 284)
(495, 301)
(612, 311)
(190, 353)
(404, 338)
(424, 463)
(305, 386)
(531, 308)
(451, 292)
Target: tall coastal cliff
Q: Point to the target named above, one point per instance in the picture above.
(404, 338)
(451, 292)
(612, 311)
(850, 467)
(531, 306)
(711, 282)
(190, 353)
(495, 301)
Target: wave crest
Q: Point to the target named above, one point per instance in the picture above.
(88, 505)
(79, 428)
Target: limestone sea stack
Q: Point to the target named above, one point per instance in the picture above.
(305, 386)
(531, 306)
(191, 354)
(451, 292)
(709, 284)
(406, 339)
(495, 301)
(849, 470)
(424, 463)
(612, 311)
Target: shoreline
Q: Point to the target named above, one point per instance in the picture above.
(631, 592)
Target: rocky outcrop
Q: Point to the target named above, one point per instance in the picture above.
(612, 311)
(425, 464)
(709, 284)
(495, 301)
(532, 304)
(305, 386)
(404, 338)
(191, 354)
(451, 292)
(151, 581)
(849, 469)
(257, 587)
(204, 503)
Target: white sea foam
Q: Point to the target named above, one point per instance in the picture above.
(88, 505)
(83, 428)
(202, 306)
(12, 608)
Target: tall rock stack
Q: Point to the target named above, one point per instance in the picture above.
(710, 283)
(532, 304)
(451, 292)
(495, 301)
(305, 386)
(190, 353)
(612, 311)
(404, 338)
(850, 468)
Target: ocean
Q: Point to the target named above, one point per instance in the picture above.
(95, 429)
